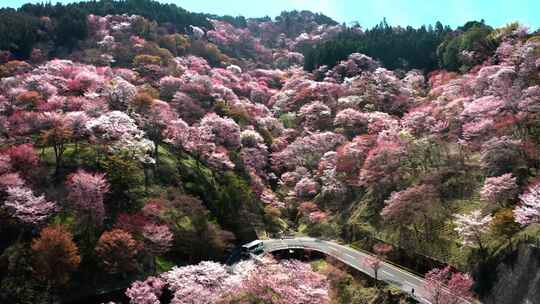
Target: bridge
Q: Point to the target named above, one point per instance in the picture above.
(387, 272)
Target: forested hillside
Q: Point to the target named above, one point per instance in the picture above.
(141, 143)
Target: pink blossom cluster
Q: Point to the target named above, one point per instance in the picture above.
(355, 64)
(209, 282)
(146, 292)
(86, 192)
(405, 205)
(21, 203)
(29, 209)
(238, 40)
(306, 151)
(159, 238)
(528, 212)
(446, 286)
(499, 189)
(305, 140)
(150, 225)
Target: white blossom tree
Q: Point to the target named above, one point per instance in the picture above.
(471, 227)
(529, 210)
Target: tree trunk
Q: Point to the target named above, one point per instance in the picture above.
(146, 182)
(156, 154)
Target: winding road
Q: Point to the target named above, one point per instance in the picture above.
(387, 272)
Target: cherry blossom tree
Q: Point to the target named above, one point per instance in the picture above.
(200, 143)
(413, 206)
(202, 283)
(299, 91)
(29, 209)
(317, 216)
(502, 155)
(374, 263)
(254, 151)
(112, 126)
(86, 191)
(158, 237)
(187, 107)
(76, 120)
(382, 164)
(351, 156)
(23, 158)
(315, 116)
(382, 249)
(58, 136)
(286, 281)
(351, 121)
(499, 189)
(476, 132)
(484, 107)
(382, 90)
(225, 130)
(529, 210)
(131, 222)
(255, 158)
(420, 120)
(154, 121)
(306, 188)
(146, 292)
(5, 163)
(10, 180)
(446, 287)
(471, 227)
(333, 189)
(120, 133)
(168, 86)
(306, 151)
(119, 92)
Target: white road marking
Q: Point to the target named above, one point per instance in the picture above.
(387, 273)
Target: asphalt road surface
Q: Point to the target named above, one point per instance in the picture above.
(389, 273)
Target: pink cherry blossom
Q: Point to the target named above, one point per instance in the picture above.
(86, 192)
(499, 189)
(306, 187)
(146, 292)
(159, 238)
(29, 209)
(446, 287)
(529, 210)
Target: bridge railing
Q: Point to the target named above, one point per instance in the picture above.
(405, 269)
(419, 275)
(337, 255)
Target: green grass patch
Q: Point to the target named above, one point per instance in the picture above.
(319, 265)
(163, 265)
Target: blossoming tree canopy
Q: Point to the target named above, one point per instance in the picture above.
(134, 134)
(22, 204)
(529, 210)
(86, 191)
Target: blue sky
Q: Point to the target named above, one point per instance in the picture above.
(371, 12)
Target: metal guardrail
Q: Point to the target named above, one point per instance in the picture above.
(335, 254)
(391, 263)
